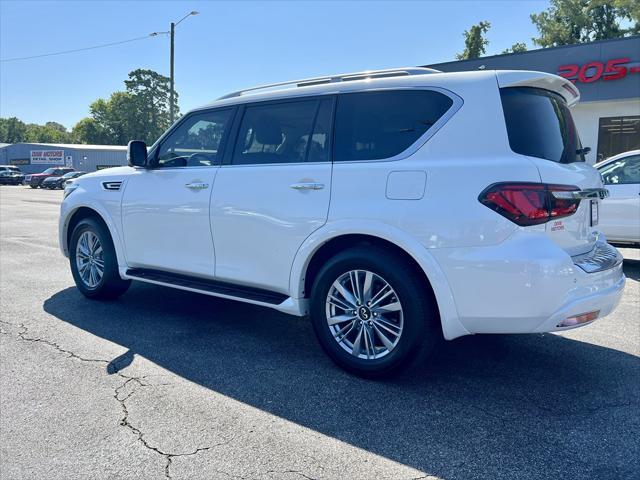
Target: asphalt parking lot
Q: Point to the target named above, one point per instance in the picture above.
(168, 384)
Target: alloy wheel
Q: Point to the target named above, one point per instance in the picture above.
(364, 314)
(89, 259)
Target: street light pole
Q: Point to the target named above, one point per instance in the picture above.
(171, 76)
(172, 113)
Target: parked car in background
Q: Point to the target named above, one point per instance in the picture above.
(57, 182)
(394, 207)
(620, 212)
(35, 180)
(10, 175)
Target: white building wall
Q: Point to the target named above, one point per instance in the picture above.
(587, 115)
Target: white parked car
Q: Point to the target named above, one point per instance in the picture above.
(393, 207)
(620, 212)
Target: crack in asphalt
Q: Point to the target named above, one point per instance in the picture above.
(297, 472)
(22, 335)
(124, 421)
(140, 434)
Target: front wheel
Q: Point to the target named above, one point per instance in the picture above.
(372, 312)
(93, 261)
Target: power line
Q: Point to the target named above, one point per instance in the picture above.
(15, 59)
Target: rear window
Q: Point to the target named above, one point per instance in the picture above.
(539, 124)
(376, 125)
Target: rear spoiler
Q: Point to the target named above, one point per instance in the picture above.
(547, 81)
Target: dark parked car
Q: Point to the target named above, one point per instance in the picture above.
(10, 175)
(57, 182)
(36, 179)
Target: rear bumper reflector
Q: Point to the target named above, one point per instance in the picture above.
(578, 319)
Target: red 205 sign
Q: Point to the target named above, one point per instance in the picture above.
(593, 71)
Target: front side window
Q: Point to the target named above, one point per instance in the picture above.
(623, 171)
(196, 141)
(377, 125)
(539, 124)
(280, 133)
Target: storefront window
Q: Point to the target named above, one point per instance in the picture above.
(617, 135)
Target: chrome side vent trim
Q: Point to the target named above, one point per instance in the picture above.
(112, 186)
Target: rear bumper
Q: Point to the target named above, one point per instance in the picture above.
(528, 284)
(607, 294)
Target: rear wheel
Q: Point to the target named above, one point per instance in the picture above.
(372, 312)
(93, 261)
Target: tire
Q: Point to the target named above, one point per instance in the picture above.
(416, 320)
(33, 186)
(107, 286)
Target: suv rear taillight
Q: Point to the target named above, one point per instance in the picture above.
(530, 203)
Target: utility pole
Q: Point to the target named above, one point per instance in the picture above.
(172, 114)
(172, 94)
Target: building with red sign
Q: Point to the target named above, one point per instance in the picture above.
(606, 72)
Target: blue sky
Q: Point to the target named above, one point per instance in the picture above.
(230, 45)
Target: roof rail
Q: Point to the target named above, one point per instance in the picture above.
(346, 77)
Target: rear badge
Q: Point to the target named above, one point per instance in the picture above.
(557, 226)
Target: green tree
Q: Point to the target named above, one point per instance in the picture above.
(89, 131)
(139, 113)
(475, 42)
(151, 92)
(630, 10)
(50, 132)
(12, 130)
(518, 47)
(56, 126)
(568, 22)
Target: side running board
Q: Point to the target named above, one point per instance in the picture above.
(207, 286)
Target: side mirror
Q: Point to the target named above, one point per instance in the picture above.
(137, 153)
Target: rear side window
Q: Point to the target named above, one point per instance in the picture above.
(539, 124)
(376, 125)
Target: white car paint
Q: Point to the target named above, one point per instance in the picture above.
(250, 227)
(620, 212)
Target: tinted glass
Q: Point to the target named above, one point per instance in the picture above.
(49, 171)
(625, 170)
(318, 149)
(275, 133)
(195, 141)
(375, 125)
(539, 124)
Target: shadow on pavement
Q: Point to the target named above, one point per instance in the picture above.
(531, 406)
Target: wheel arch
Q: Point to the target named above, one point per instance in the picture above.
(321, 246)
(81, 212)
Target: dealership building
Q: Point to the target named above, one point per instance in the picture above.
(37, 157)
(606, 72)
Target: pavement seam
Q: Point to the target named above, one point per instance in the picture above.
(124, 421)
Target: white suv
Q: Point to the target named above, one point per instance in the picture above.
(392, 206)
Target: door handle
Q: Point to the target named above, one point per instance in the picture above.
(307, 186)
(197, 186)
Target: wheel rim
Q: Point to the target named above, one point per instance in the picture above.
(90, 259)
(364, 314)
